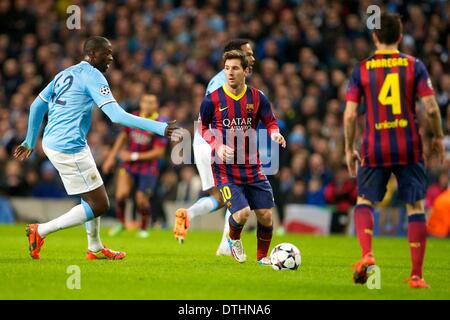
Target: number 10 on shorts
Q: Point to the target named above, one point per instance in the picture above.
(226, 193)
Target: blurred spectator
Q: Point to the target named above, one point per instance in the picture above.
(50, 185)
(14, 180)
(283, 184)
(318, 170)
(439, 222)
(341, 194)
(315, 195)
(6, 211)
(436, 189)
(297, 193)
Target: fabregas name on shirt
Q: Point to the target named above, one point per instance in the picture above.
(386, 63)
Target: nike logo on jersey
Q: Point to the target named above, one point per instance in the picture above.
(221, 109)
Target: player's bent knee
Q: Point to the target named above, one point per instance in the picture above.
(142, 201)
(244, 214)
(121, 195)
(264, 216)
(120, 198)
(100, 207)
(98, 201)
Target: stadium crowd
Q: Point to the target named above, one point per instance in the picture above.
(304, 50)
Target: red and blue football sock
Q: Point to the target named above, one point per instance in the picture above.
(364, 227)
(235, 229)
(264, 237)
(417, 238)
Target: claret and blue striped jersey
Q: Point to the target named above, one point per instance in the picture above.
(223, 111)
(389, 81)
(142, 141)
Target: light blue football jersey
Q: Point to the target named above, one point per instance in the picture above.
(215, 83)
(70, 97)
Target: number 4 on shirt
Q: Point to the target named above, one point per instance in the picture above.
(391, 85)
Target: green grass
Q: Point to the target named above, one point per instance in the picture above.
(160, 268)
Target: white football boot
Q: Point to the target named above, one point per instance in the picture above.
(237, 250)
(265, 261)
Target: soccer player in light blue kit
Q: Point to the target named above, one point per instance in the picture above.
(202, 155)
(69, 99)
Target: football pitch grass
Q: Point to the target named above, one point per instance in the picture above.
(159, 268)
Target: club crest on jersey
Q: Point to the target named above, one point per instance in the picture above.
(249, 107)
(104, 90)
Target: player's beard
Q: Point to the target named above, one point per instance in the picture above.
(103, 66)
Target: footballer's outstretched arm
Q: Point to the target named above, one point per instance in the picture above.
(120, 116)
(98, 88)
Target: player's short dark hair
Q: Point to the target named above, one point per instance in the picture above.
(235, 54)
(235, 44)
(390, 28)
(94, 43)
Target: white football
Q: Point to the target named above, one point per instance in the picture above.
(285, 256)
